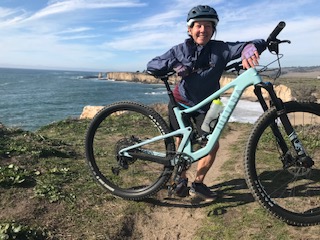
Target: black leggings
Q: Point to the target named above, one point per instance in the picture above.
(195, 118)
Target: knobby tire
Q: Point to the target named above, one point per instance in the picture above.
(120, 125)
(290, 193)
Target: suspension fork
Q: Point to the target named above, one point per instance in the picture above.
(282, 114)
(274, 100)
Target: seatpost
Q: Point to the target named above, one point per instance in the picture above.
(169, 91)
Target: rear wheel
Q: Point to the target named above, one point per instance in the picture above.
(116, 127)
(288, 190)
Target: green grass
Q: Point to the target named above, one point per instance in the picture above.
(302, 88)
(60, 189)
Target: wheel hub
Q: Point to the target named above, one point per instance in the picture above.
(124, 161)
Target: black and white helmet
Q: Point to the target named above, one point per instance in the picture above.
(202, 13)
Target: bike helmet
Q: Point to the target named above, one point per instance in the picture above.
(202, 13)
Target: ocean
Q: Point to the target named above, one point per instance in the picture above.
(30, 99)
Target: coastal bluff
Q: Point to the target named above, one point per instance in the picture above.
(139, 77)
(282, 91)
(88, 112)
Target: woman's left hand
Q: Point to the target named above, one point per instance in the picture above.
(250, 56)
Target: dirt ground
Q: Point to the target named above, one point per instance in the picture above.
(181, 217)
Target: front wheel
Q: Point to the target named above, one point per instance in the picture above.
(289, 191)
(117, 127)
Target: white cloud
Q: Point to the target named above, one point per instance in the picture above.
(163, 19)
(10, 17)
(75, 30)
(139, 42)
(58, 7)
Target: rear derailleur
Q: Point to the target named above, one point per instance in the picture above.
(123, 161)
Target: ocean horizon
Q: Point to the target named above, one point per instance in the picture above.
(30, 99)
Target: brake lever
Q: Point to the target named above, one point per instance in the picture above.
(273, 45)
(285, 41)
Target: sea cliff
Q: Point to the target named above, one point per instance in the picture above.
(88, 112)
(282, 91)
(138, 77)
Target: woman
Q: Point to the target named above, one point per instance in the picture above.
(200, 62)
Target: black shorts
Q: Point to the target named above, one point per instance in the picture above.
(195, 119)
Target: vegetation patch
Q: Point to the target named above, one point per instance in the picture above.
(15, 143)
(18, 231)
(12, 175)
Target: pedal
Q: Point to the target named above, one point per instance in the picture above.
(306, 162)
(171, 189)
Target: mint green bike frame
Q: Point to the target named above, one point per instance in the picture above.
(246, 79)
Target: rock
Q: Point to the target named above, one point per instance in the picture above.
(281, 91)
(139, 77)
(90, 111)
(284, 93)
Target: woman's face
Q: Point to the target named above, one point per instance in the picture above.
(201, 32)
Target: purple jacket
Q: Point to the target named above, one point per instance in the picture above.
(206, 63)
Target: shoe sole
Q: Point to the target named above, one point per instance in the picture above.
(182, 194)
(203, 197)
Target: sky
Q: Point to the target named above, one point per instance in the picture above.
(123, 35)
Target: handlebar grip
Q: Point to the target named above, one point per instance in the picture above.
(276, 31)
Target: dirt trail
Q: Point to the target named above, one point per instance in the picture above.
(180, 218)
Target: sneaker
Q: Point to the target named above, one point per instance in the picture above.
(182, 188)
(201, 190)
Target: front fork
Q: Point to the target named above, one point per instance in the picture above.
(303, 159)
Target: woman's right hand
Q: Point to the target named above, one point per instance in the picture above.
(181, 70)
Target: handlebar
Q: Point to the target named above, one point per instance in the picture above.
(272, 43)
(276, 31)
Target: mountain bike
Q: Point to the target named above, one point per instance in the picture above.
(131, 152)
